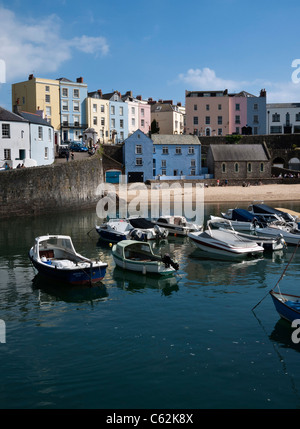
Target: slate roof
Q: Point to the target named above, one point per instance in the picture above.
(6, 115)
(34, 118)
(177, 139)
(239, 152)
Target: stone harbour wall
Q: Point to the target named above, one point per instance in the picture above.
(50, 189)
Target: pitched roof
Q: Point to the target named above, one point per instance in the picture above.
(6, 115)
(34, 118)
(178, 139)
(239, 152)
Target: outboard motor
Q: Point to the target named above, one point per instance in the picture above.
(169, 262)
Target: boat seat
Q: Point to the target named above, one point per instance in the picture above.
(47, 253)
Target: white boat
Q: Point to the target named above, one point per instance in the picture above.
(177, 225)
(146, 230)
(223, 242)
(54, 256)
(114, 230)
(138, 256)
(291, 235)
(236, 224)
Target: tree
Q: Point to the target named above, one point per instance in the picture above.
(154, 127)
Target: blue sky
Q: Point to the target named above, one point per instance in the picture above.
(154, 48)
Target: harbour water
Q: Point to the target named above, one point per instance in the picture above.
(189, 342)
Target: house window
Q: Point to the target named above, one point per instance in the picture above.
(220, 132)
(46, 153)
(154, 151)
(94, 120)
(48, 110)
(6, 131)
(65, 92)
(102, 121)
(262, 167)
(163, 172)
(191, 150)
(193, 172)
(65, 105)
(40, 130)
(195, 107)
(165, 150)
(223, 167)
(112, 110)
(249, 167)
(65, 120)
(75, 93)
(22, 134)
(237, 119)
(220, 119)
(276, 130)
(133, 110)
(163, 163)
(219, 106)
(236, 167)
(276, 117)
(255, 106)
(138, 148)
(47, 98)
(113, 123)
(207, 107)
(121, 111)
(297, 117)
(102, 108)
(255, 119)
(133, 122)
(237, 107)
(195, 120)
(76, 121)
(76, 106)
(207, 120)
(142, 122)
(49, 134)
(94, 108)
(139, 161)
(121, 135)
(193, 163)
(47, 88)
(7, 154)
(143, 112)
(121, 123)
(178, 150)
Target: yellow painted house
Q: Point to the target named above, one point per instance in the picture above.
(98, 115)
(37, 94)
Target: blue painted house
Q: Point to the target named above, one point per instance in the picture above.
(176, 155)
(257, 113)
(72, 109)
(118, 117)
(138, 157)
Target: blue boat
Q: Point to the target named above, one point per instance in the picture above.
(54, 257)
(287, 306)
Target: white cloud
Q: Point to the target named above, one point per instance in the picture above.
(204, 79)
(38, 45)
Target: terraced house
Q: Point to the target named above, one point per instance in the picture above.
(212, 113)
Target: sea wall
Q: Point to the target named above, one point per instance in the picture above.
(50, 189)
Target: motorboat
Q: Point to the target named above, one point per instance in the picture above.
(146, 228)
(240, 219)
(268, 243)
(138, 256)
(269, 213)
(177, 225)
(223, 242)
(290, 234)
(114, 230)
(55, 257)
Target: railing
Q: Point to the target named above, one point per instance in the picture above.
(66, 124)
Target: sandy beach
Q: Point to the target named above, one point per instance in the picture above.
(230, 194)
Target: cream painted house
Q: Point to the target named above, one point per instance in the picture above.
(97, 110)
(169, 117)
(37, 94)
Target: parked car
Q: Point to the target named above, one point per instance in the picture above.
(78, 147)
(63, 150)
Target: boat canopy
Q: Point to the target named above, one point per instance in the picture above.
(242, 215)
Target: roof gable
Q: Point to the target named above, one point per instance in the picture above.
(6, 115)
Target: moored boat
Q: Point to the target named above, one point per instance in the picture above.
(177, 225)
(114, 230)
(55, 257)
(222, 242)
(138, 256)
(287, 306)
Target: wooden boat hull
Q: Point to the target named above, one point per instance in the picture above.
(76, 276)
(287, 306)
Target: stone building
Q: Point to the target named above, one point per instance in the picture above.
(234, 161)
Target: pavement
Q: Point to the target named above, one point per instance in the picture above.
(77, 156)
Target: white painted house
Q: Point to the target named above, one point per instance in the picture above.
(14, 139)
(25, 138)
(41, 139)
